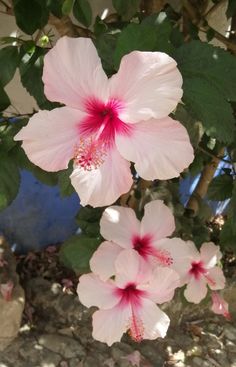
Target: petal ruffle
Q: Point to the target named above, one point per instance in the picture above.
(104, 185)
(119, 224)
(92, 291)
(148, 83)
(196, 290)
(50, 138)
(160, 149)
(158, 220)
(102, 262)
(109, 325)
(210, 254)
(73, 73)
(155, 321)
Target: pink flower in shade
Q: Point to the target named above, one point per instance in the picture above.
(122, 230)
(219, 305)
(127, 302)
(108, 122)
(199, 270)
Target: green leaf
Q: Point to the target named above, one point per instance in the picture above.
(67, 7)
(105, 45)
(126, 8)
(76, 252)
(83, 12)
(55, 7)
(64, 182)
(4, 100)
(228, 235)
(88, 220)
(9, 60)
(162, 28)
(30, 14)
(134, 37)
(209, 75)
(31, 70)
(220, 188)
(10, 180)
(231, 9)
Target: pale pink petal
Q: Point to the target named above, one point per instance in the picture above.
(109, 325)
(149, 83)
(220, 306)
(102, 262)
(158, 220)
(119, 224)
(73, 73)
(92, 291)
(155, 321)
(50, 138)
(104, 185)
(127, 265)
(215, 278)
(210, 254)
(160, 149)
(196, 290)
(182, 254)
(162, 286)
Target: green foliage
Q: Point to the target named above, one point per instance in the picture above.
(126, 8)
(220, 188)
(64, 183)
(55, 7)
(88, 220)
(83, 12)
(76, 252)
(134, 37)
(209, 75)
(231, 9)
(67, 7)
(30, 14)
(10, 180)
(9, 60)
(31, 70)
(4, 99)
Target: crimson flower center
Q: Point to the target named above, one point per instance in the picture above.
(197, 269)
(143, 245)
(97, 132)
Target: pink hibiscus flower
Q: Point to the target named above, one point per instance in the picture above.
(199, 270)
(127, 303)
(122, 230)
(220, 306)
(108, 122)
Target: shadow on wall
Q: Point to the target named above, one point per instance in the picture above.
(38, 217)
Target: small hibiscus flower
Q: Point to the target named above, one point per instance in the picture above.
(122, 230)
(220, 306)
(107, 123)
(199, 270)
(127, 302)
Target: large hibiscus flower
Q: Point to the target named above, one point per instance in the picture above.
(107, 123)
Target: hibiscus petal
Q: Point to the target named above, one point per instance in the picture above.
(104, 185)
(119, 225)
(155, 321)
(163, 284)
(158, 220)
(160, 149)
(92, 291)
(127, 265)
(73, 72)
(109, 325)
(196, 290)
(215, 278)
(102, 262)
(50, 137)
(210, 254)
(149, 83)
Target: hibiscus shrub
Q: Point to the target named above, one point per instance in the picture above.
(132, 102)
